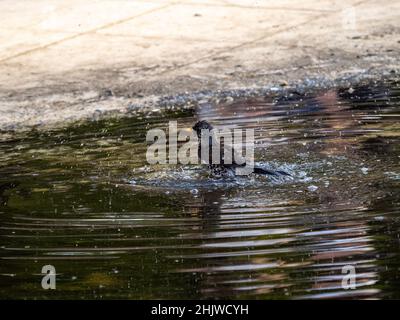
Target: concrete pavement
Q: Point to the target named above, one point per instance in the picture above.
(65, 60)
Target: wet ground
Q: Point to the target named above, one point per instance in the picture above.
(84, 200)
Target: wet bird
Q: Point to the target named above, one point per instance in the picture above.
(226, 168)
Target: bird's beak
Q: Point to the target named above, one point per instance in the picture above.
(187, 130)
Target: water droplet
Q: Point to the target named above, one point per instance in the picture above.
(364, 170)
(312, 188)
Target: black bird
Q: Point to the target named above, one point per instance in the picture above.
(222, 167)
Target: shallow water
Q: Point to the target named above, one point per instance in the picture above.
(84, 200)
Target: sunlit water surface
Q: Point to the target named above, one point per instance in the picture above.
(84, 200)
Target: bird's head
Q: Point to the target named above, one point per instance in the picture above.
(202, 125)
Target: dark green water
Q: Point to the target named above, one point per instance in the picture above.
(84, 200)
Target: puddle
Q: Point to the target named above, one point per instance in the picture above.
(84, 200)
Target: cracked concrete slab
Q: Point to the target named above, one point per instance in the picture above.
(71, 60)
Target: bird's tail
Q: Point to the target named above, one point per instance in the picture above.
(259, 170)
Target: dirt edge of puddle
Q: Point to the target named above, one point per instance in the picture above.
(49, 111)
